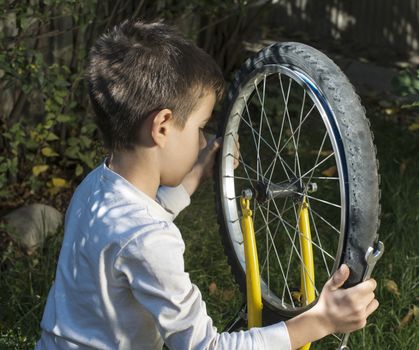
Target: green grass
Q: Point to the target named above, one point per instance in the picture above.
(25, 280)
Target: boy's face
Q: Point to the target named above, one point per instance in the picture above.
(184, 145)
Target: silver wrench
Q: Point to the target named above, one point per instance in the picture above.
(371, 257)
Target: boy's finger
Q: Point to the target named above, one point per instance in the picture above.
(339, 277)
(372, 306)
(216, 143)
(364, 287)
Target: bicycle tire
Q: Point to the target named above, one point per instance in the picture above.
(353, 149)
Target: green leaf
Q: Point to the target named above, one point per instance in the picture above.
(38, 169)
(79, 170)
(85, 141)
(26, 88)
(411, 105)
(49, 124)
(72, 152)
(58, 99)
(49, 152)
(87, 160)
(62, 118)
(52, 137)
(31, 144)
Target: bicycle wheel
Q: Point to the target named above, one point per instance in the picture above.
(303, 134)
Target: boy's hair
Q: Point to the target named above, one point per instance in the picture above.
(137, 68)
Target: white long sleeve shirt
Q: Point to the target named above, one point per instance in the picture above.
(120, 281)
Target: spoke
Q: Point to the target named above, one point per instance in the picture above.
(254, 132)
(317, 165)
(283, 162)
(279, 151)
(318, 238)
(250, 125)
(272, 220)
(262, 102)
(241, 159)
(317, 159)
(266, 117)
(317, 199)
(291, 250)
(298, 128)
(232, 198)
(297, 161)
(293, 227)
(246, 166)
(239, 178)
(268, 249)
(321, 177)
(260, 125)
(277, 256)
(299, 125)
(283, 221)
(323, 219)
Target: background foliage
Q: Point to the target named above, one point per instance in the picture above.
(47, 134)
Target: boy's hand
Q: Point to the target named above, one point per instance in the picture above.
(203, 168)
(338, 310)
(346, 310)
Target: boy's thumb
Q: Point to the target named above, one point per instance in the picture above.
(339, 277)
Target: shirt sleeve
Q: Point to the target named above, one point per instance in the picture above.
(154, 267)
(173, 199)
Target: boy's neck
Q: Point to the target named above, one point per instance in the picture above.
(138, 170)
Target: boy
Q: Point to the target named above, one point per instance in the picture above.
(120, 281)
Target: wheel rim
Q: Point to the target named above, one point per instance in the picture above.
(277, 113)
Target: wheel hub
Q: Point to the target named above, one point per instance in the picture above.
(294, 189)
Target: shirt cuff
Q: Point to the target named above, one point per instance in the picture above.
(173, 199)
(276, 336)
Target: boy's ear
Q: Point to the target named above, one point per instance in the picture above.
(161, 123)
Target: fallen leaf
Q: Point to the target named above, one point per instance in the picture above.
(392, 287)
(330, 171)
(212, 288)
(407, 318)
(403, 166)
(59, 182)
(228, 294)
(324, 153)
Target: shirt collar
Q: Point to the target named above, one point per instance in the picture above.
(126, 187)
